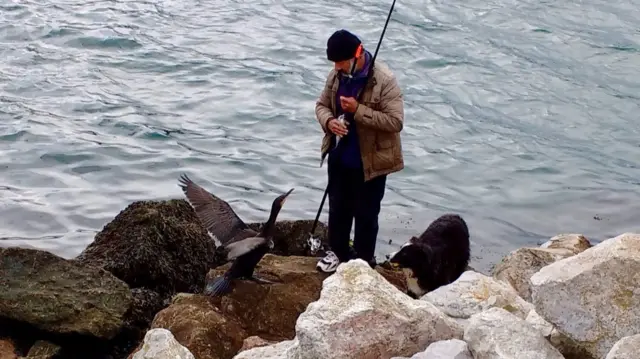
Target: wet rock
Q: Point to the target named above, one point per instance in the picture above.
(593, 297)
(496, 334)
(290, 237)
(576, 243)
(7, 349)
(250, 309)
(157, 245)
(473, 293)
(518, 266)
(161, 344)
(270, 311)
(59, 295)
(626, 348)
(43, 350)
(444, 349)
(361, 315)
(201, 327)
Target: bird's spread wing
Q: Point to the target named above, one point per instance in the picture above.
(215, 214)
(243, 246)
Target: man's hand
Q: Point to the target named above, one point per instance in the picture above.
(336, 127)
(349, 104)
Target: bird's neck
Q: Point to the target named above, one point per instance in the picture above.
(267, 230)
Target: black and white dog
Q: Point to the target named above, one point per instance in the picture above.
(436, 258)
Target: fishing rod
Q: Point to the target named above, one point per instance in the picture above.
(314, 243)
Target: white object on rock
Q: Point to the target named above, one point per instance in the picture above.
(159, 343)
(473, 293)
(498, 334)
(594, 296)
(626, 348)
(361, 315)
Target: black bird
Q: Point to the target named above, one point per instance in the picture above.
(240, 243)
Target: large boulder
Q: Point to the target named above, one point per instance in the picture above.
(594, 296)
(201, 327)
(157, 245)
(473, 293)
(626, 348)
(61, 296)
(361, 315)
(269, 311)
(518, 267)
(497, 334)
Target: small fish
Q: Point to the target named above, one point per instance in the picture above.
(343, 122)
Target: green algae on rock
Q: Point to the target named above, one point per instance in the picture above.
(157, 245)
(59, 295)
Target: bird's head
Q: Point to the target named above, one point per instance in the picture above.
(278, 203)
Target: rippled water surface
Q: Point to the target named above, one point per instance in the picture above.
(520, 115)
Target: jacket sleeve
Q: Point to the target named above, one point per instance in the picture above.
(323, 105)
(390, 118)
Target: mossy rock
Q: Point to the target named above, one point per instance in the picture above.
(157, 245)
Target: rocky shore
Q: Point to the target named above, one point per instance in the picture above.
(136, 293)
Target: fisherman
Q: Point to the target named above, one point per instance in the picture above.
(368, 149)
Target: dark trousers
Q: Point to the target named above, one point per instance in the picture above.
(350, 197)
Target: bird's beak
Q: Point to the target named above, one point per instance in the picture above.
(284, 199)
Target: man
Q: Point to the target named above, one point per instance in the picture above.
(368, 150)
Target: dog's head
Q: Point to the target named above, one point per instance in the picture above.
(408, 256)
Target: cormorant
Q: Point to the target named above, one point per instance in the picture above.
(241, 244)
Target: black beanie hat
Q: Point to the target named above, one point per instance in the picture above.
(342, 45)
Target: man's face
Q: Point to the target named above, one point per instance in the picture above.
(344, 66)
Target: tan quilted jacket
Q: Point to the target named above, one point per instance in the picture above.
(379, 120)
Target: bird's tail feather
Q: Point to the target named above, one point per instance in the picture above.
(218, 286)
